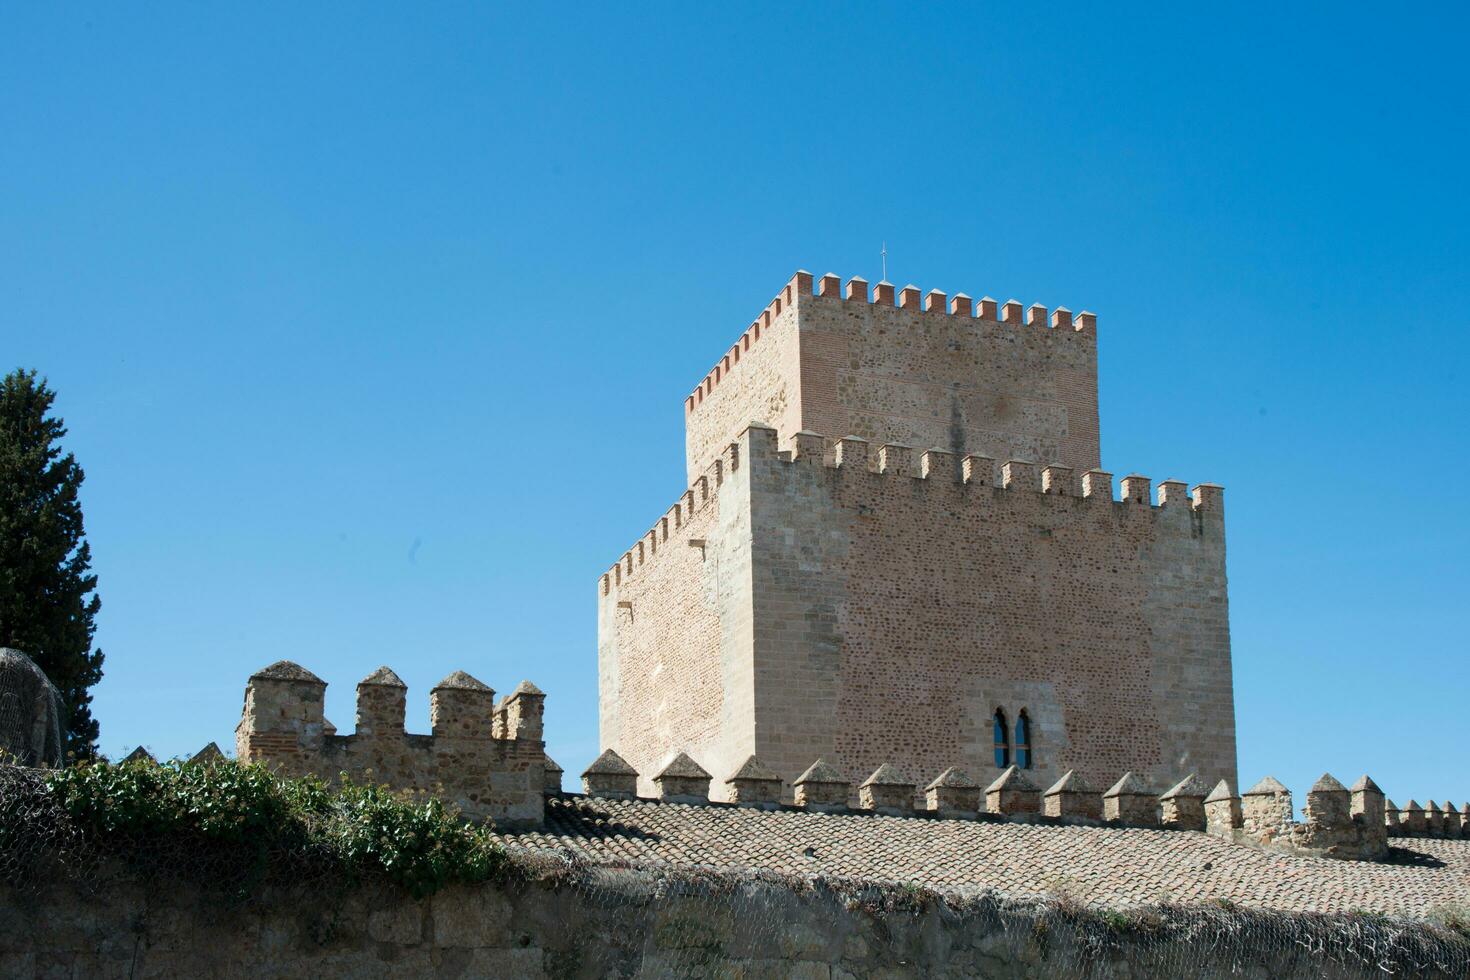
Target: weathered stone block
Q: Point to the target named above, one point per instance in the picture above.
(461, 707)
(682, 780)
(1222, 811)
(552, 774)
(382, 700)
(1131, 802)
(1012, 794)
(1183, 805)
(755, 785)
(822, 787)
(610, 776)
(953, 794)
(1266, 811)
(887, 791)
(1072, 796)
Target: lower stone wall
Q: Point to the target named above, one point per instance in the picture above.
(598, 923)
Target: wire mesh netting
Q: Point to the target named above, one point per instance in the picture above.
(576, 918)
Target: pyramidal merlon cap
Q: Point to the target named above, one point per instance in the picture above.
(1269, 786)
(953, 778)
(682, 767)
(821, 771)
(610, 764)
(1070, 782)
(1327, 784)
(1012, 779)
(1222, 791)
(1366, 785)
(526, 687)
(285, 670)
(1129, 785)
(383, 677)
(460, 681)
(886, 775)
(755, 770)
(1188, 786)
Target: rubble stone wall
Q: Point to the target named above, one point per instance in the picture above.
(620, 924)
(465, 761)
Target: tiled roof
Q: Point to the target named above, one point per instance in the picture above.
(1110, 866)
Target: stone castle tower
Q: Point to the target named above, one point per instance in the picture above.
(898, 547)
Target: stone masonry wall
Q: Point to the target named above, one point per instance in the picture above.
(674, 622)
(466, 761)
(628, 924)
(868, 606)
(757, 379)
(928, 373)
(896, 612)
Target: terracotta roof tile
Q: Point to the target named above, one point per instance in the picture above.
(1111, 866)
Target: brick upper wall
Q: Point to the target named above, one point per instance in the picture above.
(896, 613)
(673, 631)
(964, 376)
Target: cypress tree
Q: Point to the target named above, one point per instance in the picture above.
(48, 600)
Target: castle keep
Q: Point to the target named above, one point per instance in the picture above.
(898, 546)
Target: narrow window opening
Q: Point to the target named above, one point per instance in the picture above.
(1002, 742)
(1023, 740)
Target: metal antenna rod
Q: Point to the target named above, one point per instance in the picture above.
(885, 261)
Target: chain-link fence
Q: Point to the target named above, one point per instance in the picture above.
(549, 913)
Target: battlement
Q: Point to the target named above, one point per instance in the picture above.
(1341, 822)
(802, 287)
(673, 527)
(852, 457)
(1022, 476)
(907, 367)
(487, 758)
(1347, 824)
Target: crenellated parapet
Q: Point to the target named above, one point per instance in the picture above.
(1339, 822)
(1430, 820)
(488, 760)
(854, 458)
(804, 288)
(672, 529)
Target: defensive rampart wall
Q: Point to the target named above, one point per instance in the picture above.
(488, 759)
(622, 923)
(1342, 823)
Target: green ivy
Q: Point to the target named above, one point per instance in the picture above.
(247, 820)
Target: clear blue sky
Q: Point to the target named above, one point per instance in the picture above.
(373, 326)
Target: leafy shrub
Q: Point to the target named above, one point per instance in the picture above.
(244, 823)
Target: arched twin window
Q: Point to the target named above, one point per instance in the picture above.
(1003, 742)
